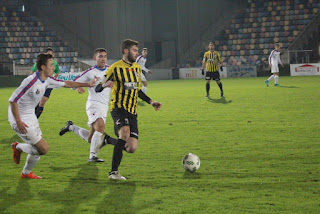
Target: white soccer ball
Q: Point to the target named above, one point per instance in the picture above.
(191, 162)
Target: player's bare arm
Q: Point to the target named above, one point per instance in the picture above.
(72, 84)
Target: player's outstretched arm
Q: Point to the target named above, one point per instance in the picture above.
(147, 99)
(72, 84)
(101, 86)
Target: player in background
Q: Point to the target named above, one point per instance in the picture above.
(21, 112)
(210, 62)
(274, 61)
(126, 77)
(40, 106)
(141, 60)
(97, 107)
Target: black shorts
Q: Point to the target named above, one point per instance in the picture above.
(47, 92)
(213, 75)
(123, 118)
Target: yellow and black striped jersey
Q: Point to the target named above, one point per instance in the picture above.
(212, 59)
(126, 84)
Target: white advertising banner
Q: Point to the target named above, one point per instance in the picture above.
(304, 69)
(195, 73)
(68, 76)
(241, 71)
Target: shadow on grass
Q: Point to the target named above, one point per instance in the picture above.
(84, 187)
(21, 195)
(119, 199)
(284, 86)
(221, 100)
(191, 175)
(11, 140)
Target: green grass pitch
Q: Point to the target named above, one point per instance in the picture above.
(259, 149)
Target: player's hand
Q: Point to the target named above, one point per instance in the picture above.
(270, 65)
(108, 84)
(80, 90)
(221, 68)
(92, 82)
(202, 71)
(22, 127)
(156, 105)
(150, 72)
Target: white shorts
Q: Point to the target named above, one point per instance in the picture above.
(275, 69)
(33, 135)
(143, 77)
(96, 110)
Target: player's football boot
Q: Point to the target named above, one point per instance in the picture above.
(95, 159)
(101, 143)
(116, 176)
(66, 128)
(16, 153)
(30, 175)
(267, 83)
(276, 84)
(207, 96)
(221, 94)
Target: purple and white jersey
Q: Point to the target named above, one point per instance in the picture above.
(95, 72)
(142, 62)
(29, 94)
(274, 58)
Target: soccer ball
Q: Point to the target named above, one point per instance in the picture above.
(191, 162)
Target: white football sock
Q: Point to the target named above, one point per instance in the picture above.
(96, 137)
(144, 89)
(276, 78)
(271, 77)
(31, 161)
(27, 148)
(83, 133)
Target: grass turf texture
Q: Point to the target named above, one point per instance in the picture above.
(259, 150)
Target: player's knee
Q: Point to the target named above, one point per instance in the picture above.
(124, 133)
(145, 83)
(132, 148)
(44, 150)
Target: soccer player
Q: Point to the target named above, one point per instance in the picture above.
(210, 62)
(126, 77)
(141, 60)
(96, 107)
(40, 106)
(274, 60)
(21, 112)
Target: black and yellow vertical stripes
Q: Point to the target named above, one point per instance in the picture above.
(126, 84)
(212, 59)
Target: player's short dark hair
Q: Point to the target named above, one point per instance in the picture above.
(42, 59)
(211, 42)
(99, 50)
(49, 49)
(145, 49)
(127, 44)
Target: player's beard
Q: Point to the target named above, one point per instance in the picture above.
(130, 58)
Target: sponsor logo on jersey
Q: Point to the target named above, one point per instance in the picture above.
(130, 85)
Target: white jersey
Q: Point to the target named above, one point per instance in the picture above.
(274, 58)
(91, 73)
(29, 94)
(142, 62)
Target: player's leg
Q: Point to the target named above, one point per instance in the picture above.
(122, 130)
(207, 87)
(95, 137)
(132, 143)
(144, 83)
(81, 132)
(271, 77)
(44, 99)
(276, 79)
(217, 79)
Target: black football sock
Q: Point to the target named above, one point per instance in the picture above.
(117, 154)
(38, 110)
(220, 86)
(208, 88)
(110, 140)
